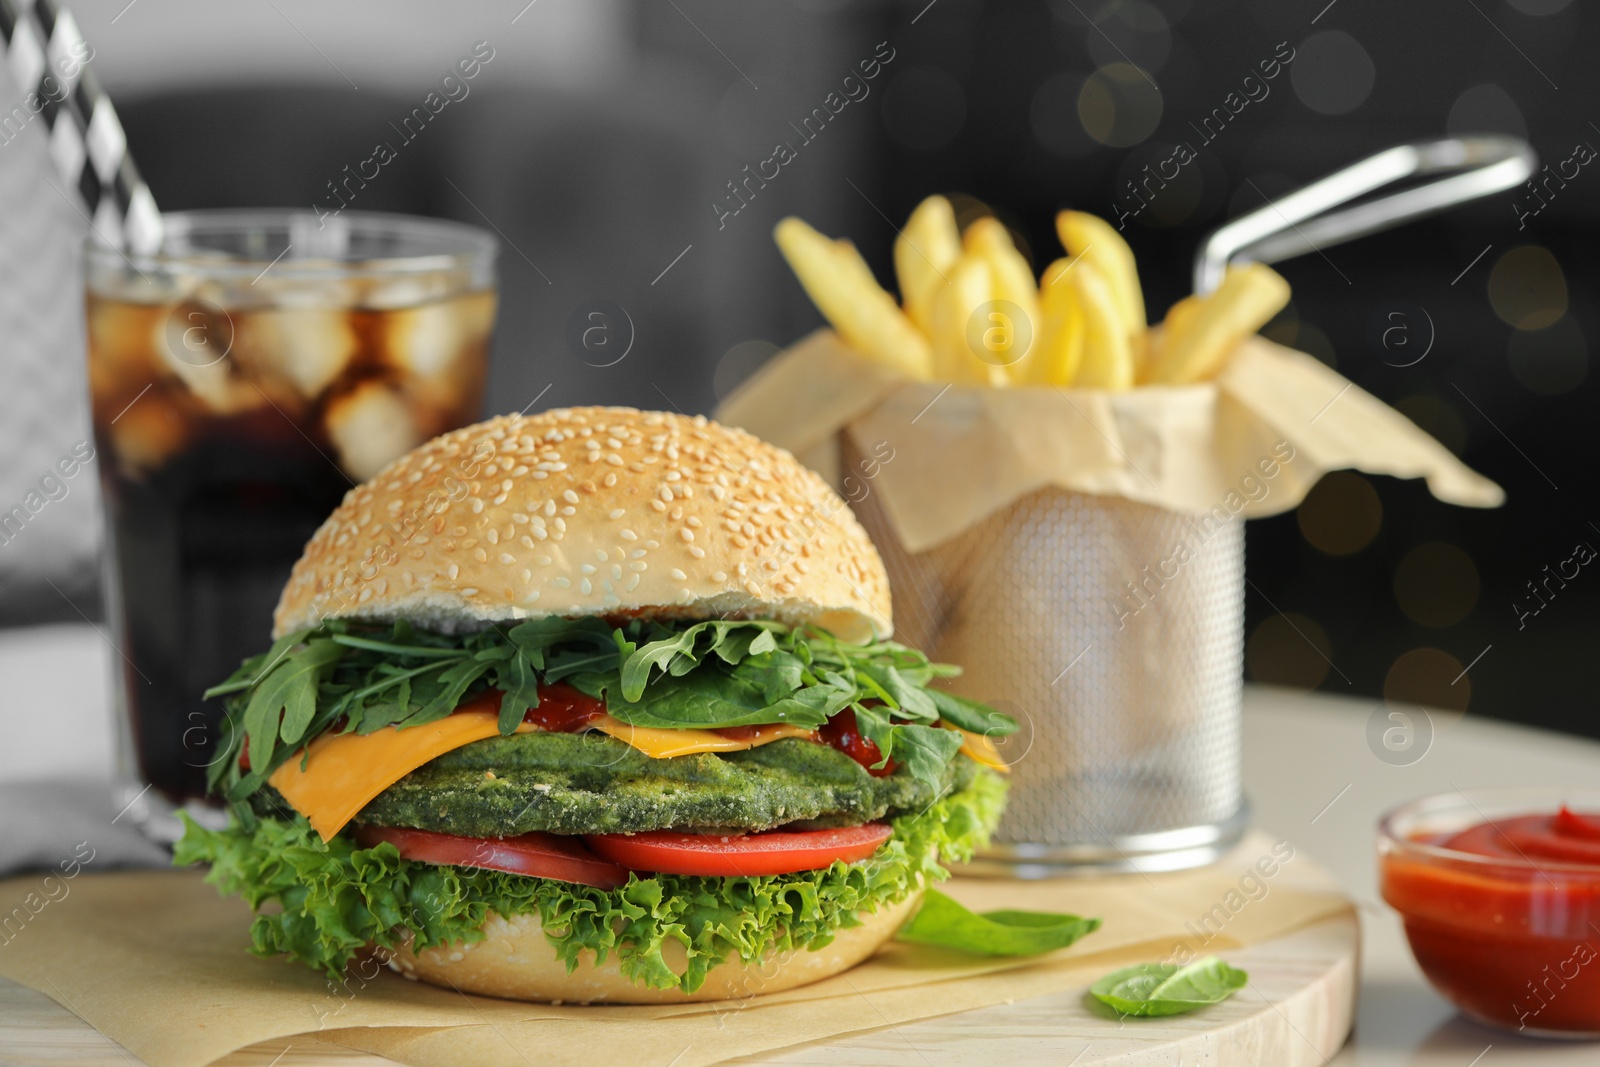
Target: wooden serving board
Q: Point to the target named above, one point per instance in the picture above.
(1296, 1013)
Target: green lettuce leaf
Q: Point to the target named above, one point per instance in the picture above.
(944, 922)
(321, 903)
(1167, 988)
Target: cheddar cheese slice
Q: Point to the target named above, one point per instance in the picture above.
(664, 744)
(981, 748)
(345, 771)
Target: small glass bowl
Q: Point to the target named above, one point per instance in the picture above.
(1512, 942)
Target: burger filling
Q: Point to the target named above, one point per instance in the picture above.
(735, 786)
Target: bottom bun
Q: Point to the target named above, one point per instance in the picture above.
(515, 961)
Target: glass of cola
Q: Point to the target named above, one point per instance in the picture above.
(242, 380)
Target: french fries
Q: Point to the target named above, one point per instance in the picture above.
(1098, 243)
(1059, 348)
(1201, 336)
(1010, 332)
(970, 312)
(1107, 352)
(924, 254)
(841, 284)
(970, 287)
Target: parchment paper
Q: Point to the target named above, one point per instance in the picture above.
(961, 453)
(157, 961)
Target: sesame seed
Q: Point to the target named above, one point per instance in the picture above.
(694, 521)
(469, 591)
(638, 565)
(679, 575)
(454, 572)
(629, 535)
(686, 533)
(569, 496)
(480, 555)
(561, 582)
(616, 572)
(587, 568)
(585, 587)
(543, 561)
(720, 576)
(617, 513)
(493, 537)
(569, 510)
(507, 558)
(697, 552)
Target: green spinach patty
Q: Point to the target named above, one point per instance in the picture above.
(592, 783)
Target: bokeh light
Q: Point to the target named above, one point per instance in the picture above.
(1438, 417)
(1341, 515)
(1550, 361)
(1430, 678)
(1538, 8)
(1485, 108)
(1313, 341)
(1157, 202)
(1054, 116)
(1119, 105)
(1289, 650)
(1436, 584)
(924, 108)
(1133, 31)
(1527, 288)
(1332, 73)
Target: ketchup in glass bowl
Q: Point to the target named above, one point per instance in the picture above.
(1500, 893)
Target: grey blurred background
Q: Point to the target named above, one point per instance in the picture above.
(601, 139)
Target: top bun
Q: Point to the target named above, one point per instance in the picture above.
(591, 511)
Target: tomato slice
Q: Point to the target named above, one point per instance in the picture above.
(536, 855)
(736, 854)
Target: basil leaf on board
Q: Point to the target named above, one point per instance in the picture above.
(1167, 988)
(944, 922)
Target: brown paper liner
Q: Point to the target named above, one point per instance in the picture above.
(158, 962)
(964, 452)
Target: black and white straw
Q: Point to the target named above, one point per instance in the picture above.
(48, 58)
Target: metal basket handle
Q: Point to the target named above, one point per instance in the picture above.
(1301, 222)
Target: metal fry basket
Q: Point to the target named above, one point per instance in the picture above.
(1114, 630)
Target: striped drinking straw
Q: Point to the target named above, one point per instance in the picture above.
(48, 57)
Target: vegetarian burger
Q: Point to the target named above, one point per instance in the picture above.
(592, 705)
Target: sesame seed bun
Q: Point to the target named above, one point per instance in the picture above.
(515, 961)
(591, 511)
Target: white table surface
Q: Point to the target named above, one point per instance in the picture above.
(1308, 770)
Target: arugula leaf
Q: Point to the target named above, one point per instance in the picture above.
(350, 676)
(710, 698)
(944, 922)
(1167, 988)
(285, 699)
(972, 716)
(323, 903)
(923, 749)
